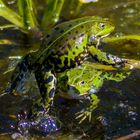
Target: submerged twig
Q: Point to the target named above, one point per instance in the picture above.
(130, 136)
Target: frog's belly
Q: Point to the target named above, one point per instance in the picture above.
(71, 95)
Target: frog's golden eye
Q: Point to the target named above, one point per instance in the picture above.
(102, 25)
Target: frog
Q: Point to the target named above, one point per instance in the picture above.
(64, 47)
(84, 82)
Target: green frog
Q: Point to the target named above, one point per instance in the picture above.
(66, 46)
(80, 83)
(83, 82)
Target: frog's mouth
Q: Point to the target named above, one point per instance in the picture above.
(105, 33)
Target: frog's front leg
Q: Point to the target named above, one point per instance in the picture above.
(104, 57)
(87, 113)
(47, 85)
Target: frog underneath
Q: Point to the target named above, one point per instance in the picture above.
(83, 82)
(66, 46)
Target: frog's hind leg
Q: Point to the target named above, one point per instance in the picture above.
(47, 85)
(19, 76)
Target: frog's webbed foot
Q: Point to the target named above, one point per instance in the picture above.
(46, 124)
(41, 124)
(83, 115)
(87, 113)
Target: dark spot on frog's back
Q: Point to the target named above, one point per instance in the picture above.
(59, 61)
(72, 63)
(56, 28)
(77, 60)
(70, 25)
(47, 36)
(49, 43)
(66, 61)
(95, 57)
(46, 69)
(62, 48)
(84, 47)
(49, 79)
(51, 93)
(76, 47)
(81, 35)
(62, 31)
(66, 52)
(23, 67)
(69, 46)
(74, 38)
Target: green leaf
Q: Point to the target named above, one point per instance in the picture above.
(51, 13)
(6, 42)
(7, 26)
(27, 11)
(10, 15)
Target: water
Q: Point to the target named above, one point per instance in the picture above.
(118, 113)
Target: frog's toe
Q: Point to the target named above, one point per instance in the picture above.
(83, 115)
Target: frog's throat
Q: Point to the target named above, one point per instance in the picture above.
(100, 38)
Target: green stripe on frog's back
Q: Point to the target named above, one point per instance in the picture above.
(58, 32)
(62, 29)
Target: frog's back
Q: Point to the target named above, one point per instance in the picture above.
(60, 30)
(63, 32)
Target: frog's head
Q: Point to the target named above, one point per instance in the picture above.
(101, 28)
(82, 86)
(84, 80)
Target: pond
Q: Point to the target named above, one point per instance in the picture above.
(118, 112)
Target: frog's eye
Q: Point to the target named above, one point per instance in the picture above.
(102, 25)
(82, 82)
